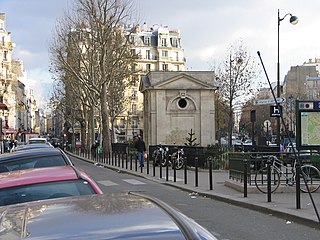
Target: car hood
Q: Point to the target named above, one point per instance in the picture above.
(114, 216)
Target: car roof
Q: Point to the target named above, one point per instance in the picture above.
(40, 175)
(32, 146)
(111, 216)
(31, 153)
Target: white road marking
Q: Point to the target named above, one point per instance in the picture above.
(133, 181)
(108, 183)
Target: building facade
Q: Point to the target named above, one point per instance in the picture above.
(178, 103)
(159, 49)
(17, 105)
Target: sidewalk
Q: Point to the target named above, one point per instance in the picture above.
(283, 201)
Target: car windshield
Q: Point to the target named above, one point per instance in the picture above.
(41, 191)
(34, 162)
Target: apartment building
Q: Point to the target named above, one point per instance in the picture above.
(17, 104)
(159, 49)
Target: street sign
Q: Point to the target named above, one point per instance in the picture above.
(275, 111)
(269, 101)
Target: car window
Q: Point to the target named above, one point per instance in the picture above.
(41, 191)
(39, 162)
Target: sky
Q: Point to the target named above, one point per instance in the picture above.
(208, 28)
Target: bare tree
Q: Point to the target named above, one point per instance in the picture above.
(90, 45)
(235, 81)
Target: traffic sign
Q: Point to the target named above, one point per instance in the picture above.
(269, 101)
(275, 111)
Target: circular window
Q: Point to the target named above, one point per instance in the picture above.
(182, 103)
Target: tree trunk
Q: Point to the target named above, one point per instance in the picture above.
(106, 144)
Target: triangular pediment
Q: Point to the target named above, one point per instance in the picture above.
(182, 81)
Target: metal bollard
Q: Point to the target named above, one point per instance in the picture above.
(185, 171)
(210, 173)
(154, 166)
(174, 172)
(245, 178)
(196, 171)
(160, 170)
(298, 197)
(167, 167)
(147, 164)
(269, 180)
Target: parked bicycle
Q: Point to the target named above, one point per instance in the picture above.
(160, 155)
(178, 159)
(279, 170)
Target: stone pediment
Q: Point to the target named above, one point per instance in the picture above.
(182, 81)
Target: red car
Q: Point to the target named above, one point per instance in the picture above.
(44, 183)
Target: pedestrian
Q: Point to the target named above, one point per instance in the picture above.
(93, 150)
(141, 150)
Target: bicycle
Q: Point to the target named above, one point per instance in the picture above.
(160, 155)
(279, 170)
(178, 159)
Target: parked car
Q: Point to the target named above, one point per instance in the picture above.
(31, 146)
(303, 154)
(112, 216)
(33, 158)
(45, 183)
(37, 140)
(56, 142)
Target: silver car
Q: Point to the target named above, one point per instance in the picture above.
(113, 216)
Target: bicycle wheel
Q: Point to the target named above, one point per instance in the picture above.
(163, 161)
(179, 162)
(312, 177)
(261, 180)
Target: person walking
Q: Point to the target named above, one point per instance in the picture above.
(141, 149)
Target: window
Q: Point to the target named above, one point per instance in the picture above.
(174, 42)
(148, 67)
(164, 53)
(147, 41)
(134, 81)
(134, 108)
(5, 55)
(134, 94)
(177, 55)
(177, 67)
(164, 67)
(182, 103)
(148, 54)
(163, 42)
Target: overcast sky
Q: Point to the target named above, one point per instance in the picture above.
(208, 28)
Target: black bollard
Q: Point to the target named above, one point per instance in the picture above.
(185, 171)
(269, 180)
(196, 171)
(245, 178)
(298, 197)
(210, 173)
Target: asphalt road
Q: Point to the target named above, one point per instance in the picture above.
(225, 221)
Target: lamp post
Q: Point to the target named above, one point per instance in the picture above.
(293, 20)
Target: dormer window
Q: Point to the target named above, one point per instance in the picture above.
(163, 42)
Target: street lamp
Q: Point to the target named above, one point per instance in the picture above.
(293, 20)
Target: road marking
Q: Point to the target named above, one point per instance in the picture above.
(133, 181)
(108, 183)
(177, 179)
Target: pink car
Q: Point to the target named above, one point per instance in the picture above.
(45, 183)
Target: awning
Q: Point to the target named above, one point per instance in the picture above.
(9, 131)
(3, 106)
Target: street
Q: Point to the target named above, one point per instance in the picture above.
(225, 221)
